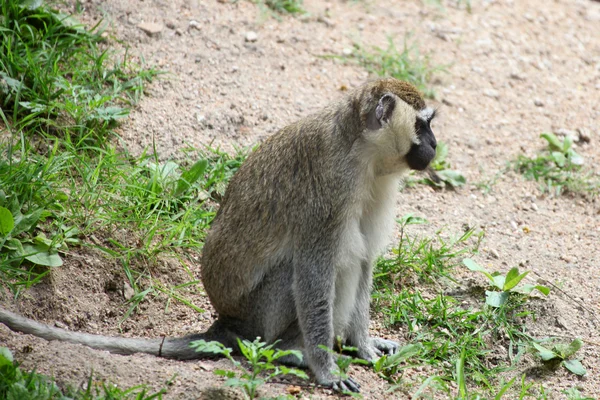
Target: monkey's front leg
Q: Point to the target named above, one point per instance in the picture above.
(314, 293)
(369, 348)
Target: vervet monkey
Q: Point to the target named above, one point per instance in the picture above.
(290, 254)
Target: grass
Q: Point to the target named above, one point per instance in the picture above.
(407, 64)
(470, 339)
(558, 168)
(64, 184)
(57, 77)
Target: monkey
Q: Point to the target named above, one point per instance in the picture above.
(289, 255)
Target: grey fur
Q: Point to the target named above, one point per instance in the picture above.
(289, 255)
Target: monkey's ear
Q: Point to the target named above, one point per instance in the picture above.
(382, 113)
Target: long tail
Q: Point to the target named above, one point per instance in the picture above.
(178, 348)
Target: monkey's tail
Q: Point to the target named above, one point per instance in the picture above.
(178, 348)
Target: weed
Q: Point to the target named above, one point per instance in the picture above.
(561, 354)
(261, 358)
(54, 77)
(425, 258)
(506, 284)
(16, 384)
(441, 175)
(389, 367)
(558, 168)
(285, 6)
(407, 65)
(575, 394)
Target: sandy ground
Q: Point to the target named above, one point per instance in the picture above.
(515, 69)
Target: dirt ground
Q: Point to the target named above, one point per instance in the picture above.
(515, 69)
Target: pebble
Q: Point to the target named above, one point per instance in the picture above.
(128, 291)
(194, 24)
(494, 253)
(151, 28)
(493, 93)
(534, 207)
(251, 36)
(347, 51)
(538, 103)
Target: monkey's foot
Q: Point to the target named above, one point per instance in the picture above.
(384, 346)
(345, 385)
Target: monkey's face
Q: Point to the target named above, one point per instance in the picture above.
(402, 137)
(422, 151)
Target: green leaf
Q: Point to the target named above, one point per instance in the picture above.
(24, 223)
(575, 367)
(6, 356)
(190, 176)
(572, 348)
(559, 158)
(31, 4)
(545, 354)
(504, 389)
(553, 142)
(496, 299)
(473, 266)
(409, 219)
(498, 281)
(441, 153)
(38, 254)
(575, 158)
(527, 289)
(7, 222)
(513, 278)
(452, 177)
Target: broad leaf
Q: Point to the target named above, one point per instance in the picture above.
(545, 353)
(496, 299)
(527, 289)
(553, 142)
(6, 356)
(24, 223)
(575, 367)
(190, 176)
(473, 266)
(7, 222)
(38, 254)
(454, 178)
(559, 158)
(513, 278)
(498, 281)
(572, 348)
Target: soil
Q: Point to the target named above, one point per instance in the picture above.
(513, 70)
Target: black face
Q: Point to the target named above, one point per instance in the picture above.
(420, 155)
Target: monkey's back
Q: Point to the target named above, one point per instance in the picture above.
(286, 190)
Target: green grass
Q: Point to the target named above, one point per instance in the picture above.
(470, 338)
(407, 64)
(65, 185)
(16, 384)
(558, 168)
(58, 77)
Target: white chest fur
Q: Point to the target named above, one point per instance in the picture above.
(367, 232)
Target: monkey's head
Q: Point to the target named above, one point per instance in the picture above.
(399, 126)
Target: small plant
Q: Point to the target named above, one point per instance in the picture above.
(261, 358)
(506, 284)
(558, 168)
(441, 175)
(426, 258)
(407, 65)
(389, 366)
(343, 362)
(575, 394)
(561, 353)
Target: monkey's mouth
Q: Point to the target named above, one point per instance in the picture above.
(419, 156)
